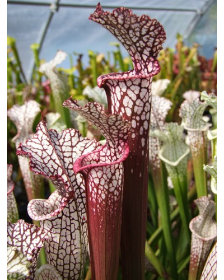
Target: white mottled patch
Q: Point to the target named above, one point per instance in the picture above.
(147, 116)
(118, 93)
(120, 19)
(114, 183)
(67, 137)
(139, 103)
(133, 123)
(138, 66)
(96, 181)
(135, 89)
(145, 82)
(150, 67)
(143, 116)
(145, 57)
(111, 189)
(100, 173)
(147, 107)
(143, 31)
(136, 82)
(145, 125)
(46, 170)
(47, 159)
(144, 95)
(102, 181)
(123, 86)
(59, 171)
(128, 111)
(138, 110)
(131, 94)
(127, 102)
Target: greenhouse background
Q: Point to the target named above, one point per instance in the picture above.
(64, 25)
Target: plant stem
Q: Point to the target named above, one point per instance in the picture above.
(190, 196)
(80, 76)
(153, 206)
(153, 259)
(71, 76)
(199, 173)
(42, 257)
(93, 65)
(184, 264)
(16, 55)
(179, 77)
(161, 189)
(88, 274)
(180, 189)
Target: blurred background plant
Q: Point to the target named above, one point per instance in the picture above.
(182, 70)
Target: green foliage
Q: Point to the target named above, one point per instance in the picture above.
(167, 238)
